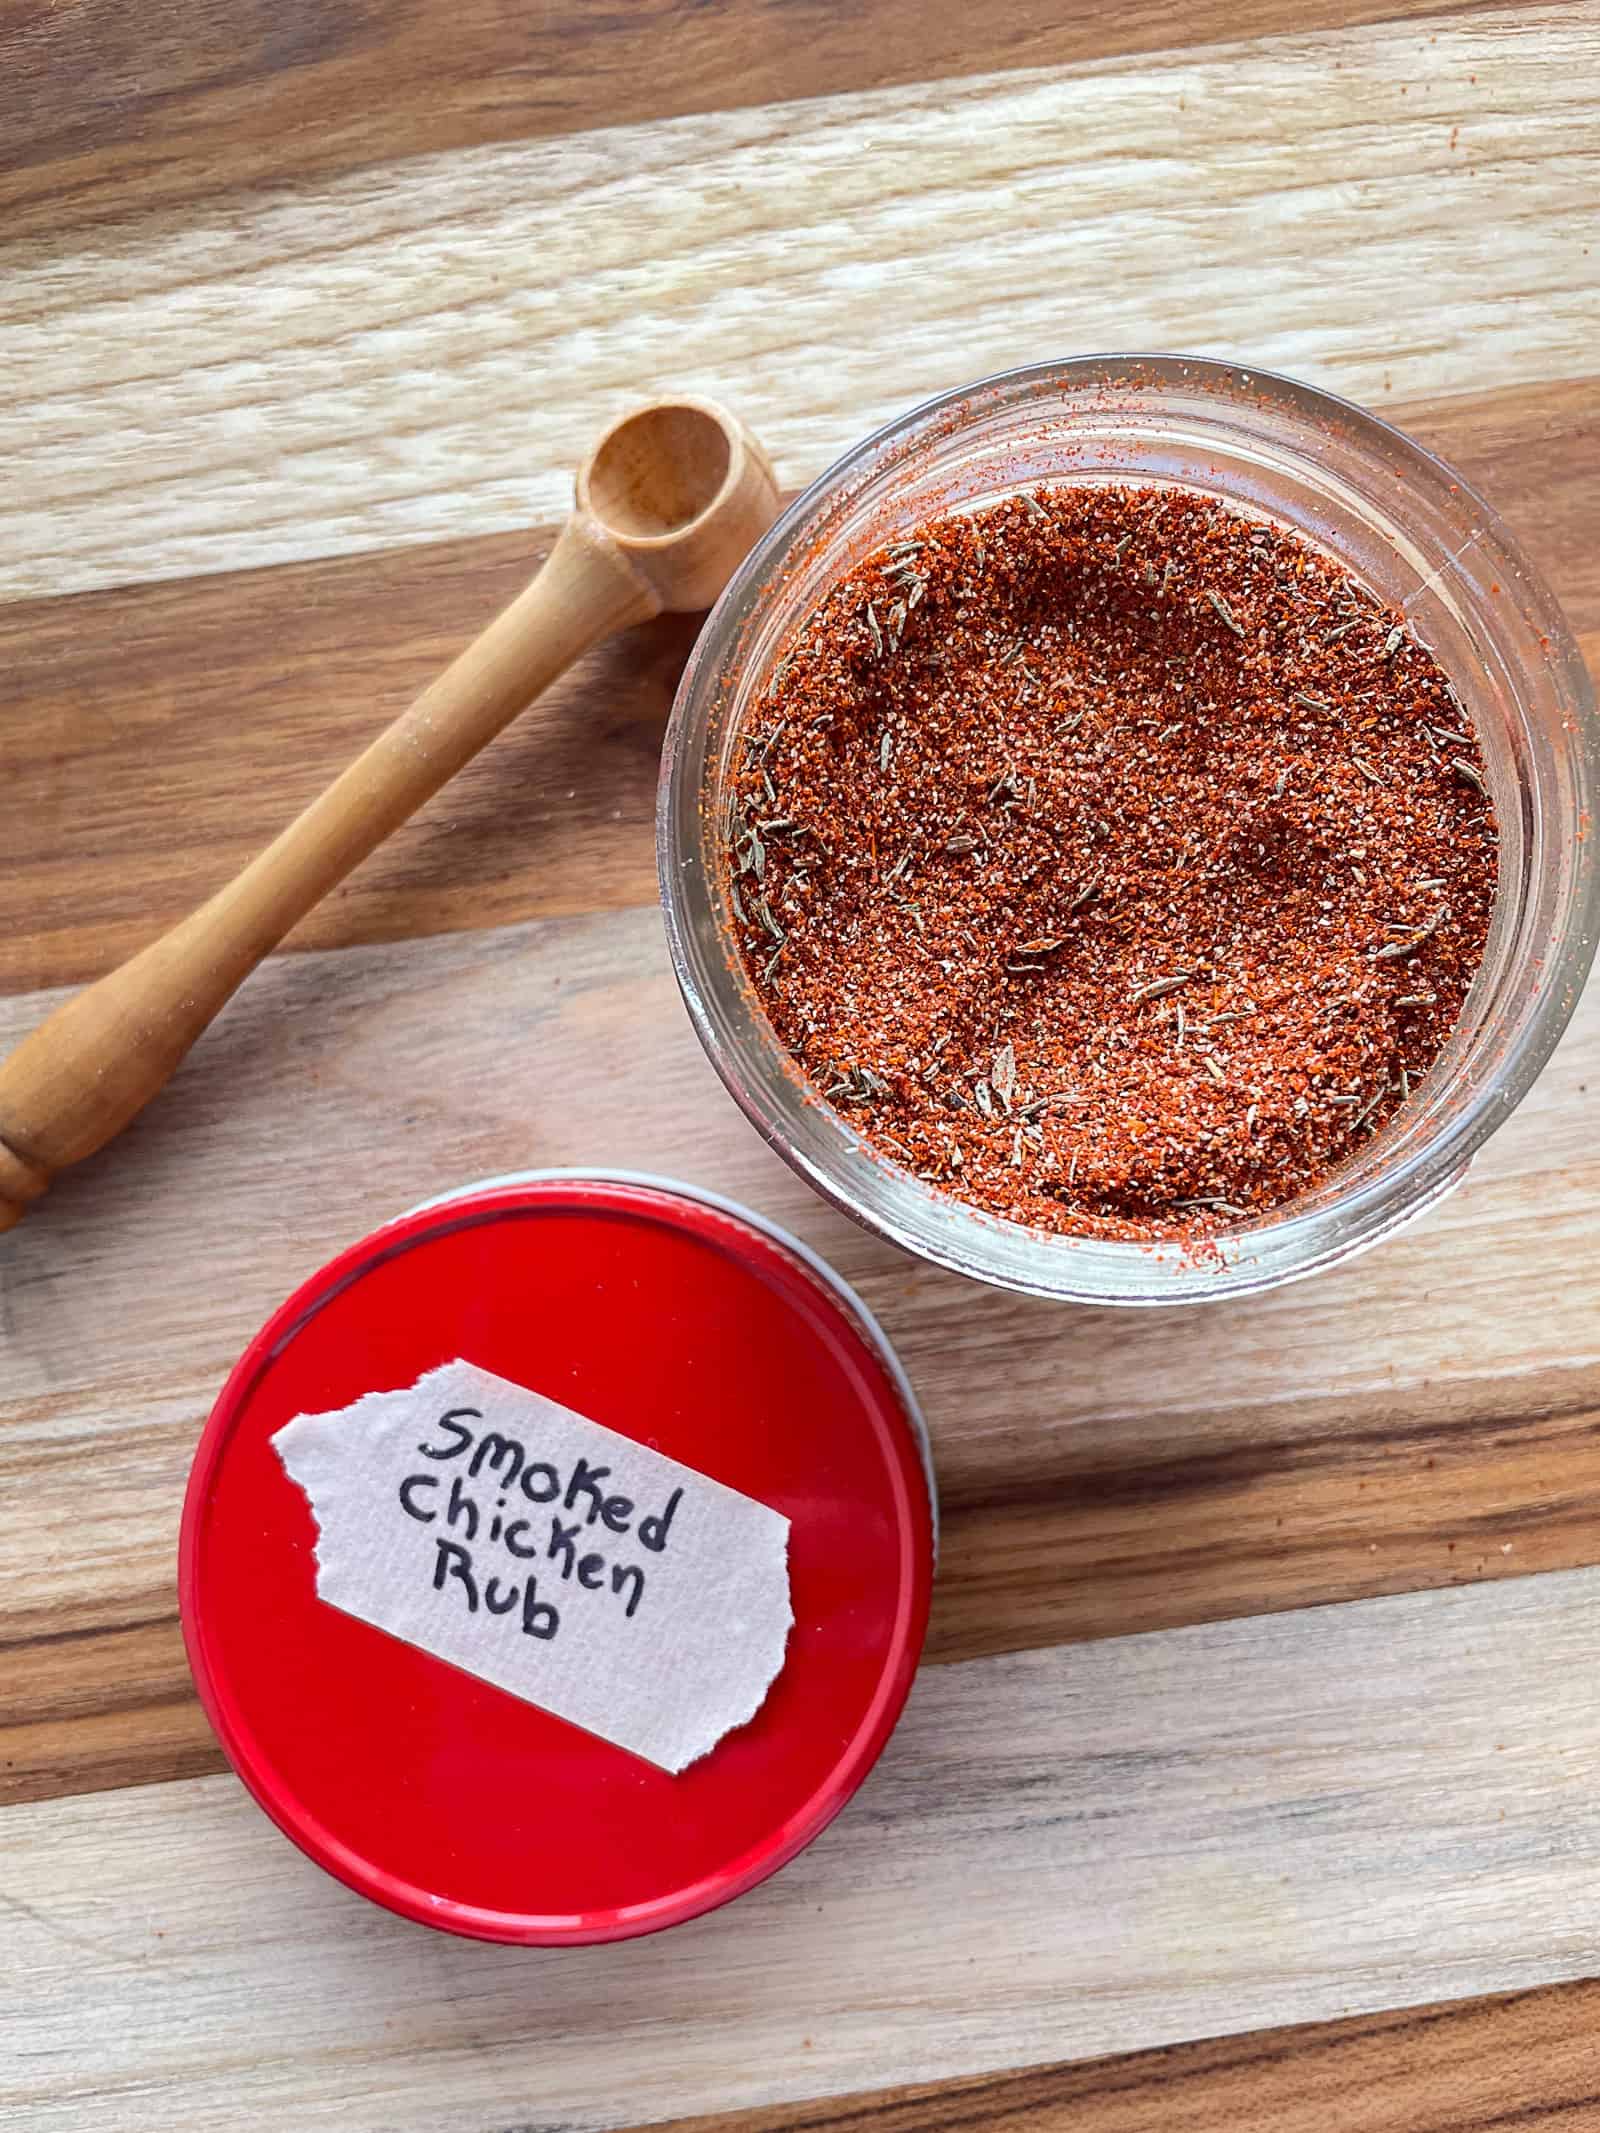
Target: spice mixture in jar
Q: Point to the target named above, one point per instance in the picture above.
(1116, 862)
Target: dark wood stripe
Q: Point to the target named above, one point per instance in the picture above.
(99, 1707)
(250, 690)
(1429, 1493)
(1120, 1536)
(1521, 2063)
(106, 108)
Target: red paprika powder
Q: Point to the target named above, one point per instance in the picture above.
(1115, 861)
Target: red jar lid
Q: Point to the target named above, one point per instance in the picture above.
(676, 1320)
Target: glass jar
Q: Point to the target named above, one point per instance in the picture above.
(1392, 514)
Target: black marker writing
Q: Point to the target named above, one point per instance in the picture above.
(557, 1540)
(451, 1420)
(453, 1564)
(496, 1452)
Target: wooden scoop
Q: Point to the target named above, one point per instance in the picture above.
(669, 503)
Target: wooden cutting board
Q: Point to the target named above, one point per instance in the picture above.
(1261, 1688)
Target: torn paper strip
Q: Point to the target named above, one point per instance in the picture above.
(567, 1564)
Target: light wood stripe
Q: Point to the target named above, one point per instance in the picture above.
(424, 349)
(297, 666)
(1420, 1417)
(217, 94)
(1063, 1854)
(1491, 2066)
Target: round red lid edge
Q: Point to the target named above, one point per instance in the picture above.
(915, 1508)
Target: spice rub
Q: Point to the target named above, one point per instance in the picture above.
(1116, 862)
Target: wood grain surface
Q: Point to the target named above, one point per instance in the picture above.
(1259, 1683)
(381, 358)
(1495, 2066)
(201, 96)
(1062, 1853)
(1098, 1473)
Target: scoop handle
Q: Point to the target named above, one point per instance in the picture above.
(92, 1065)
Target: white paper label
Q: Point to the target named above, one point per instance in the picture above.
(567, 1564)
